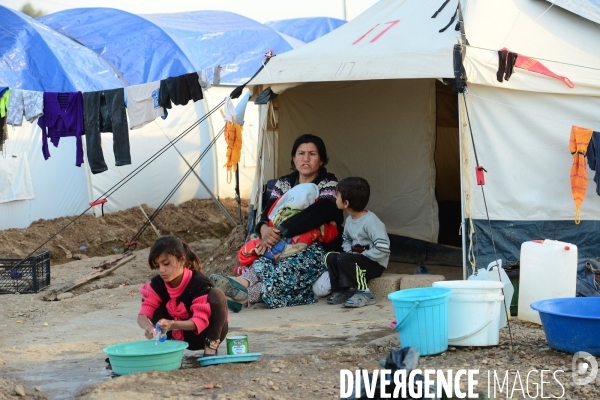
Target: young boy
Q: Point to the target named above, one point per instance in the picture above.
(366, 247)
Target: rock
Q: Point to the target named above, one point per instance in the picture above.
(385, 284)
(419, 281)
(68, 254)
(227, 258)
(2, 362)
(275, 370)
(38, 389)
(79, 256)
(270, 383)
(19, 390)
(63, 296)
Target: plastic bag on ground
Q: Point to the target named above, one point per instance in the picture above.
(407, 359)
(491, 274)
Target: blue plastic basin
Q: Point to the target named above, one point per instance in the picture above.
(571, 324)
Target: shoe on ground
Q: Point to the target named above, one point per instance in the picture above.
(340, 297)
(360, 299)
(230, 287)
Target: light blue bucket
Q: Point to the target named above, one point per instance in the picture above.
(422, 318)
(145, 355)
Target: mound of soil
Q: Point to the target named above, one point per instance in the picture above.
(89, 236)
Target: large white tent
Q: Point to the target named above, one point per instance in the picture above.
(372, 90)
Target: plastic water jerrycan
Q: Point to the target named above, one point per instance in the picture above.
(548, 271)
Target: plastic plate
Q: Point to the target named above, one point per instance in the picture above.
(248, 357)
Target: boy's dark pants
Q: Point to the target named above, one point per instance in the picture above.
(351, 271)
(217, 323)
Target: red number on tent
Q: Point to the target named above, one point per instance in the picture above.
(391, 23)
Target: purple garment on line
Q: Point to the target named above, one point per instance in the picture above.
(63, 121)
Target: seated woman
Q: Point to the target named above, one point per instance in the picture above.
(182, 300)
(288, 281)
(291, 203)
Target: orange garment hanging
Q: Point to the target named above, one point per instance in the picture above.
(578, 144)
(233, 137)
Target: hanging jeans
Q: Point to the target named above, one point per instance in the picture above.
(587, 285)
(104, 111)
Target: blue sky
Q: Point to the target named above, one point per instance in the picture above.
(259, 10)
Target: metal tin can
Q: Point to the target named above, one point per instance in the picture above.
(237, 345)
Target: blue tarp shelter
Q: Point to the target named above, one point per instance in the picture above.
(306, 29)
(35, 57)
(146, 48)
(99, 48)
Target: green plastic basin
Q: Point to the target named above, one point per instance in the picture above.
(145, 355)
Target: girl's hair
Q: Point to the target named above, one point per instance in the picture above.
(175, 247)
(309, 138)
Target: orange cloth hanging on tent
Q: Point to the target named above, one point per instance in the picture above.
(233, 137)
(578, 144)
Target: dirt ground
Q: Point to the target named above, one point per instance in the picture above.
(90, 236)
(53, 350)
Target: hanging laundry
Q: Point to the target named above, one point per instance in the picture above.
(229, 109)
(4, 99)
(533, 65)
(188, 88)
(24, 102)
(593, 157)
(578, 145)
(3, 133)
(168, 92)
(506, 64)
(143, 104)
(528, 64)
(63, 117)
(4, 102)
(203, 79)
(233, 138)
(104, 111)
(217, 76)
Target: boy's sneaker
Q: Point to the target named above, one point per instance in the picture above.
(360, 299)
(340, 297)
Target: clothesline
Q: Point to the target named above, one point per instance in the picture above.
(64, 114)
(542, 59)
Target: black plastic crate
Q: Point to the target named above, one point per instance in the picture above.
(31, 276)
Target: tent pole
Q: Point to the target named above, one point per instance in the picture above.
(229, 217)
(237, 192)
(462, 195)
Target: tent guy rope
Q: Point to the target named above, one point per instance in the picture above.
(488, 217)
(127, 178)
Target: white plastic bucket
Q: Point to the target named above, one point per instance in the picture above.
(473, 312)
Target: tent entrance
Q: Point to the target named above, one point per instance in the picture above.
(447, 164)
(389, 132)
